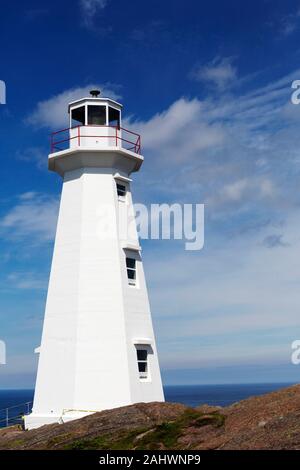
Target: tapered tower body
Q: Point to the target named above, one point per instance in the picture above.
(98, 348)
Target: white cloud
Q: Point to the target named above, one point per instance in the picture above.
(289, 23)
(33, 218)
(231, 302)
(29, 195)
(179, 135)
(235, 190)
(179, 127)
(25, 280)
(53, 112)
(234, 151)
(89, 9)
(240, 156)
(220, 73)
(37, 155)
(241, 190)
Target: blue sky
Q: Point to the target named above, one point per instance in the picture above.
(208, 85)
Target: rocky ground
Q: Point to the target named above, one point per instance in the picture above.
(270, 421)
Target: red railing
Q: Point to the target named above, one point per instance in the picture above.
(123, 137)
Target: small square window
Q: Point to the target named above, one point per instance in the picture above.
(130, 263)
(131, 274)
(142, 354)
(142, 366)
(142, 360)
(121, 190)
(131, 270)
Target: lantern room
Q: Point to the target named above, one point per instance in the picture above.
(95, 123)
(95, 111)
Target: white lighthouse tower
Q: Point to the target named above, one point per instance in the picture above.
(98, 348)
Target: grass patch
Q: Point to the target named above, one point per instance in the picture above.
(168, 433)
(53, 441)
(215, 419)
(16, 443)
(164, 435)
(123, 441)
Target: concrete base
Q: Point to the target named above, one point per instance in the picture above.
(34, 421)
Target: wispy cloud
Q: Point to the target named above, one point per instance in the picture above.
(289, 23)
(90, 9)
(53, 112)
(235, 294)
(25, 280)
(32, 218)
(37, 155)
(220, 72)
(223, 150)
(182, 131)
(239, 155)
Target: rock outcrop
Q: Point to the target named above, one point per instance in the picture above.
(269, 421)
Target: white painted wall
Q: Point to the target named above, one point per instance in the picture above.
(93, 317)
(96, 136)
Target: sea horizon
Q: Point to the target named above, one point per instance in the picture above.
(19, 401)
(185, 385)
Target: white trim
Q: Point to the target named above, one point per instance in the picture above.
(94, 101)
(106, 115)
(142, 341)
(86, 114)
(129, 246)
(117, 176)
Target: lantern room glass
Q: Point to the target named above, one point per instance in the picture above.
(95, 115)
(78, 116)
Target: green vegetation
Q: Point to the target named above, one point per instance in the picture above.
(122, 441)
(15, 444)
(216, 419)
(161, 436)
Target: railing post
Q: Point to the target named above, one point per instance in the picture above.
(139, 145)
(116, 136)
(78, 136)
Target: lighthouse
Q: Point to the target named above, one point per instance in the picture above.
(98, 347)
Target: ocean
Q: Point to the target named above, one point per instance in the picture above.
(220, 395)
(191, 395)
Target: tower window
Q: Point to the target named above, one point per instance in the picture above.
(113, 117)
(121, 190)
(131, 270)
(142, 360)
(97, 115)
(78, 116)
